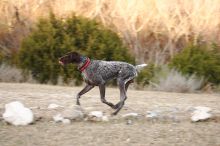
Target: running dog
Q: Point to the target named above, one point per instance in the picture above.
(98, 72)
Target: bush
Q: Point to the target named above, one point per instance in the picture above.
(199, 60)
(54, 37)
(1, 58)
(171, 80)
(163, 78)
(13, 74)
(147, 74)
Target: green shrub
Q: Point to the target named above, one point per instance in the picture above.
(1, 57)
(199, 60)
(147, 74)
(54, 37)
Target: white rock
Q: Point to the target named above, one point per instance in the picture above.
(202, 108)
(129, 122)
(130, 115)
(70, 113)
(73, 113)
(66, 121)
(53, 106)
(105, 119)
(200, 113)
(200, 116)
(151, 114)
(16, 114)
(128, 140)
(58, 118)
(97, 114)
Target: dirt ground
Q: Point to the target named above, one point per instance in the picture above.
(172, 127)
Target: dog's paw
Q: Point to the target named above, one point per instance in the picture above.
(116, 106)
(114, 113)
(78, 103)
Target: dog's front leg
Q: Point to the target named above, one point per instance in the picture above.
(83, 91)
(102, 94)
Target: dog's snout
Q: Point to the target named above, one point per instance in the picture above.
(60, 62)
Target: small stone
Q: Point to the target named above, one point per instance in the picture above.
(151, 114)
(130, 115)
(66, 121)
(53, 106)
(200, 114)
(128, 140)
(97, 114)
(202, 108)
(129, 122)
(73, 113)
(105, 119)
(58, 118)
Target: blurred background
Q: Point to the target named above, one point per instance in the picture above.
(178, 39)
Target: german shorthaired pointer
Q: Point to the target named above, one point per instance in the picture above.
(97, 73)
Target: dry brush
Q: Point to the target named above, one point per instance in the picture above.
(153, 29)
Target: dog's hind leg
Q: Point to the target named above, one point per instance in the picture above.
(128, 83)
(83, 91)
(102, 94)
(123, 96)
(126, 88)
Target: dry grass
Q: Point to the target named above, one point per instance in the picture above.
(153, 29)
(13, 74)
(10, 74)
(170, 80)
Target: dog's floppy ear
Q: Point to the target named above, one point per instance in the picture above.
(75, 54)
(75, 57)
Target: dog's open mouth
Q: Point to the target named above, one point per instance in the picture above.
(61, 63)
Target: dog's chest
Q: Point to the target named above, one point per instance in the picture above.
(89, 77)
(85, 76)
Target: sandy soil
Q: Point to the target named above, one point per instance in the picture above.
(172, 127)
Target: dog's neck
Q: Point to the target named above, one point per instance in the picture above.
(84, 63)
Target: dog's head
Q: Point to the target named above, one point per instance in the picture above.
(72, 57)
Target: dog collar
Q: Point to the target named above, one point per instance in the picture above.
(85, 65)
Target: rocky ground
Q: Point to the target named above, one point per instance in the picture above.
(163, 118)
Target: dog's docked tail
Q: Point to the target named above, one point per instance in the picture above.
(140, 67)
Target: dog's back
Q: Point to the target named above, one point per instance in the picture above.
(99, 72)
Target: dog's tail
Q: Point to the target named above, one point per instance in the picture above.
(140, 67)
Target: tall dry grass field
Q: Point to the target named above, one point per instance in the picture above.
(153, 29)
